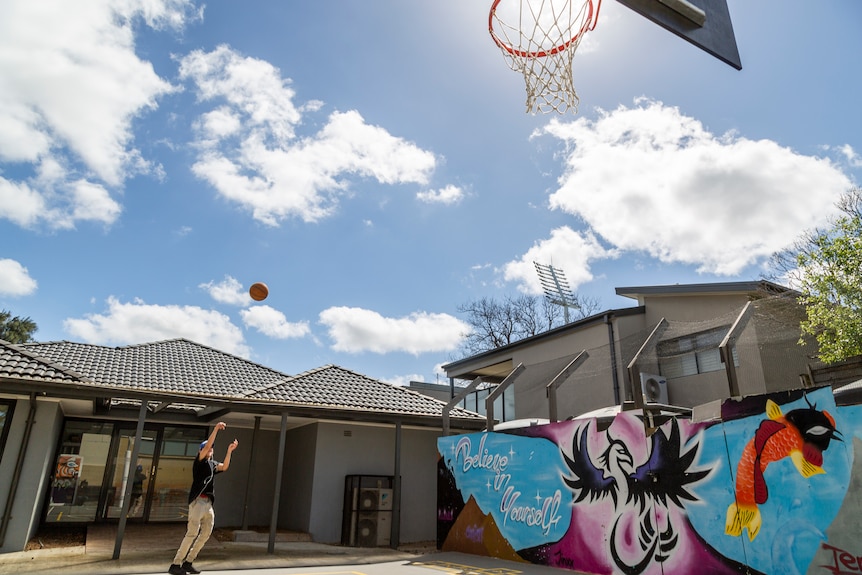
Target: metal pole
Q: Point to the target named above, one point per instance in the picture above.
(489, 401)
(395, 534)
(127, 495)
(452, 402)
(637, 394)
(613, 350)
(273, 522)
(725, 349)
(551, 388)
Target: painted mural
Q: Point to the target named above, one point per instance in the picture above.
(772, 487)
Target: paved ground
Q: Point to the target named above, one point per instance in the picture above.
(149, 549)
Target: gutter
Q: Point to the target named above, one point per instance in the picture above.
(19, 464)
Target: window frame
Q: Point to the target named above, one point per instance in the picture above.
(694, 347)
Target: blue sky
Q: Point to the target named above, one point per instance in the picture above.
(373, 164)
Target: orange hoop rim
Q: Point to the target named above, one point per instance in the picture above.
(589, 25)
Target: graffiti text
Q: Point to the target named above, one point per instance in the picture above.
(843, 563)
(545, 516)
(482, 459)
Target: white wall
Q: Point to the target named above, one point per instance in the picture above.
(36, 471)
(297, 483)
(370, 450)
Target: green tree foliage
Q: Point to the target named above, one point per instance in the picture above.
(826, 267)
(16, 329)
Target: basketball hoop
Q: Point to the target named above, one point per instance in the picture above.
(539, 38)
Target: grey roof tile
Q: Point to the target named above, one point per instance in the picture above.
(16, 363)
(185, 367)
(176, 365)
(335, 387)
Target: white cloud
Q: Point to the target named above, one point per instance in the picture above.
(448, 195)
(71, 87)
(58, 202)
(92, 202)
(138, 322)
(20, 204)
(357, 330)
(250, 153)
(272, 323)
(15, 279)
(567, 250)
(853, 158)
(228, 291)
(650, 179)
(404, 380)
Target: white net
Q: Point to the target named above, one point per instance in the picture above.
(538, 38)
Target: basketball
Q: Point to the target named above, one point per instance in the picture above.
(258, 291)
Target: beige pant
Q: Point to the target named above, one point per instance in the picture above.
(201, 520)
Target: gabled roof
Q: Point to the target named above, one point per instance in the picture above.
(335, 387)
(187, 370)
(497, 361)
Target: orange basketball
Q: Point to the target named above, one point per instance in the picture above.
(258, 291)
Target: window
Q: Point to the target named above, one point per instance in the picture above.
(692, 354)
(7, 407)
(504, 406)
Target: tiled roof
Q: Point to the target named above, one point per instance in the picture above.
(176, 365)
(335, 387)
(18, 364)
(185, 367)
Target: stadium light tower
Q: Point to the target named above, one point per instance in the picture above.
(556, 288)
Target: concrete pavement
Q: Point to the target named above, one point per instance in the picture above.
(149, 549)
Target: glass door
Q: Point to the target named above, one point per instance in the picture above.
(173, 476)
(92, 468)
(118, 473)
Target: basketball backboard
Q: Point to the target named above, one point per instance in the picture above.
(704, 23)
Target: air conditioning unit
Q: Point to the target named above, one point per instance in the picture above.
(385, 500)
(371, 499)
(654, 388)
(373, 528)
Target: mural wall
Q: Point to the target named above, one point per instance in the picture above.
(772, 487)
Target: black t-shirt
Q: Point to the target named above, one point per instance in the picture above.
(203, 472)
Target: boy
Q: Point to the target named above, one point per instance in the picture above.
(201, 497)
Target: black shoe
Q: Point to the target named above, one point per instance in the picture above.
(177, 570)
(189, 568)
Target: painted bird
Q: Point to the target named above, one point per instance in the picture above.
(802, 435)
(664, 478)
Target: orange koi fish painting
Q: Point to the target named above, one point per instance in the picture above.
(802, 435)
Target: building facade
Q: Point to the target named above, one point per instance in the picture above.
(92, 434)
(668, 349)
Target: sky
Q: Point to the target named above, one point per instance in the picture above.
(372, 162)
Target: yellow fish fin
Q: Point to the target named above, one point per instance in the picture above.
(754, 525)
(805, 468)
(743, 517)
(772, 410)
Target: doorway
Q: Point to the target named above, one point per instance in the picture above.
(117, 473)
(162, 473)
